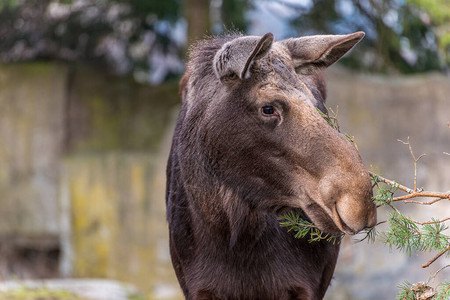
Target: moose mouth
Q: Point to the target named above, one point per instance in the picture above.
(319, 218)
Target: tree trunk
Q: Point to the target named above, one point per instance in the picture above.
(197, 16)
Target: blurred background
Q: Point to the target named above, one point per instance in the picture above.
(88, 100)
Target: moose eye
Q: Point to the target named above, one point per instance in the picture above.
(268, 110)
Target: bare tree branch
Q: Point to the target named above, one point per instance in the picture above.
(437, 272)
(423, 203)
(423, 194)
(436, 257)
(392, 183)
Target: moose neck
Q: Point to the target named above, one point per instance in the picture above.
(227, 215)
(230, 221)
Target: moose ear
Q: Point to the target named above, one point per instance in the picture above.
(236, 56)
(313, 53)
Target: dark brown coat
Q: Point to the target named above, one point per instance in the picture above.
(248, 145)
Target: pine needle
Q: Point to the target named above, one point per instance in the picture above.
(303, 228)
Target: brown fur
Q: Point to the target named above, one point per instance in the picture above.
(232, 169)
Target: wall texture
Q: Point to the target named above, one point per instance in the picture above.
(82, 172)
(82, 164)
(31, 133)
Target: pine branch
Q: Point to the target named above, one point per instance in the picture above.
(444, 291)
(433, 221)
(303, 228)
(405, 292)
(406, 236)
(405, 233)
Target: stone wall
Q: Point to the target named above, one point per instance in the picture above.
(82, 172)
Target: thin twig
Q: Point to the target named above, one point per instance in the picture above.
(369, 232)
(436, 257)
(415, 161)
(448, 125)
(437, 272)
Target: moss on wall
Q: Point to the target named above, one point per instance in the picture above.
(48, 111)
(118, 220)
(100, 136)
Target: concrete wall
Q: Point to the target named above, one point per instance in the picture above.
(118, 228)
(82, 165)
(31, 133)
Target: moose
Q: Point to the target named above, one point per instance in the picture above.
(249, 145)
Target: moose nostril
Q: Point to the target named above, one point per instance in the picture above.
(355, 214)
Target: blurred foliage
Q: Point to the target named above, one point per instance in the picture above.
(439, 12)
(400, 37)
(124, 35)
(8, 4)
(148, 38)
(233, 14)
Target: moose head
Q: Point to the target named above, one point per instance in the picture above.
(266, 142)
(250, 144)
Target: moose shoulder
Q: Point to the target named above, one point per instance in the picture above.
(249, 144)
